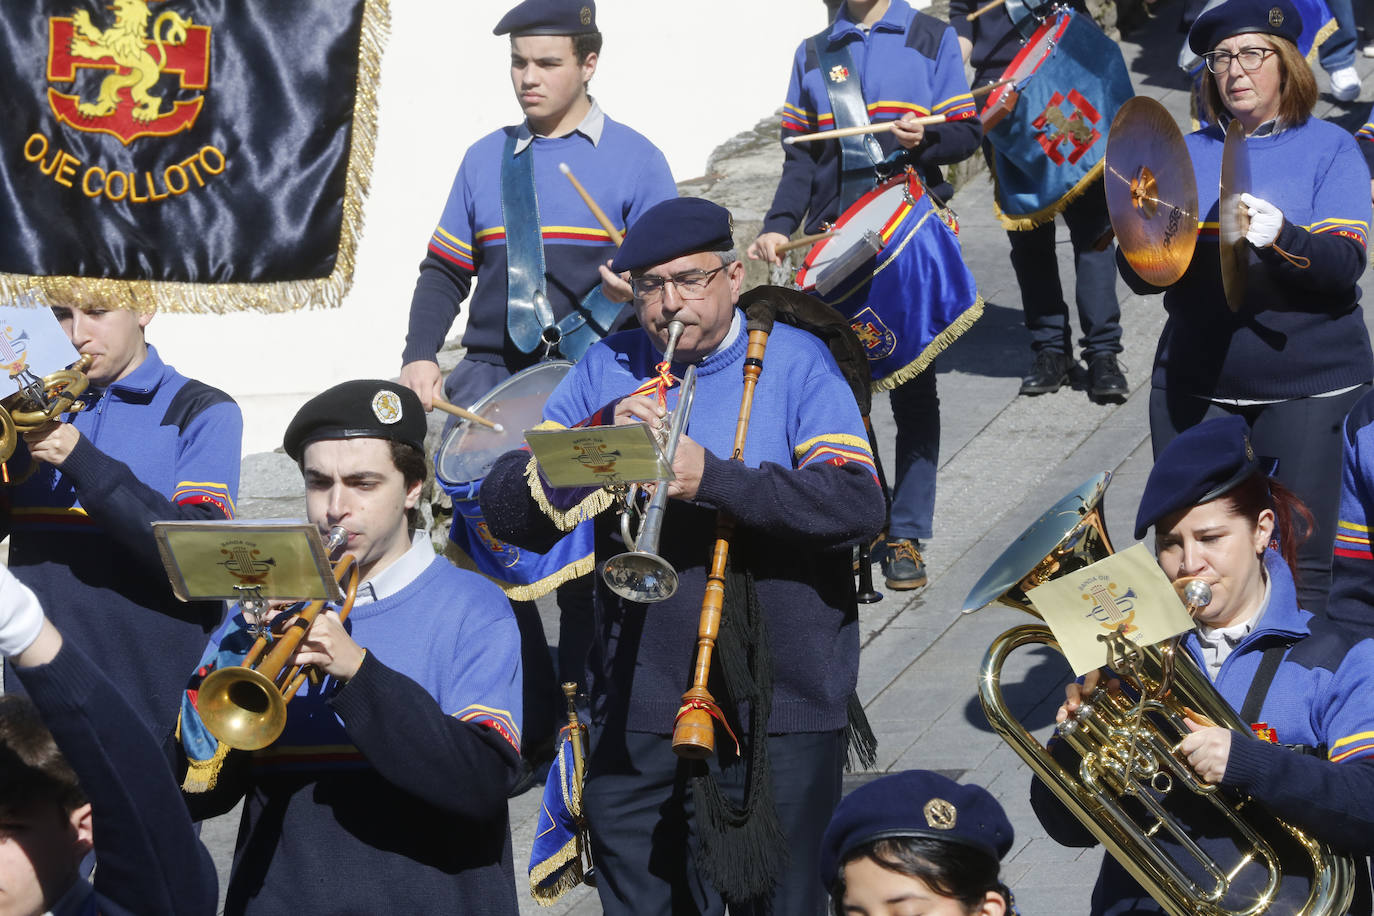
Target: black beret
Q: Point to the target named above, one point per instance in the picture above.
(364, 408)
(1202, 463)
(549, 17)
(1237, 17)
(916, 803)
(673, 228)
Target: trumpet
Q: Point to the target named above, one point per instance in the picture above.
(1127, 773)
(640, 574)
(245, 706)
(37, 402)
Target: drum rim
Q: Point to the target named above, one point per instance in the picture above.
(1060, 22)
(462, 426)
(910, 180)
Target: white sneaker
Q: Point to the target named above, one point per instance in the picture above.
(1368, 50)
(1345, 84)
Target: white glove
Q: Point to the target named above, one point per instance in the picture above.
(21, 616)
(1265, 221)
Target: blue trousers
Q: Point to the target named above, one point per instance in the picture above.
(916, 413)
(640, 810)
(1042, 296)
(1339, 48)
(1305, 436)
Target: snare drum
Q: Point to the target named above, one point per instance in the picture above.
(893, 268)
(1048, 128)
(465, 459)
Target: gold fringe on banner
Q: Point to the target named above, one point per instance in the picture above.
(565, 520)
(933, 349)
(533, 590)
(1031, 220)
(285, 296)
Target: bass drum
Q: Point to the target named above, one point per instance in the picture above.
(463, 462)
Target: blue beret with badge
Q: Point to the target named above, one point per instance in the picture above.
(360, 409)
(1238, 17)
(673, 228)
(910, 805)
(549, 17)
(1203, 463)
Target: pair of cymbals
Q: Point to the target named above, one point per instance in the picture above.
(1152, 197)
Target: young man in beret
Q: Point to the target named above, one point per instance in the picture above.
(804, 491)
(150, 445)
(517, 227)
(387, 790)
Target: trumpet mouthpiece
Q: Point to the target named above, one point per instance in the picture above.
(337, 537)
(1197, 593)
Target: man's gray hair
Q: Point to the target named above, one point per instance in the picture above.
(728, 257)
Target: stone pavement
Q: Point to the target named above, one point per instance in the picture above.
(1004, 460)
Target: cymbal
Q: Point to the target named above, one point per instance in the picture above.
(1232, 216)
(1151, 191)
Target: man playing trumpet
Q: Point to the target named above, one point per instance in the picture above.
(386, 792)
(804, 491)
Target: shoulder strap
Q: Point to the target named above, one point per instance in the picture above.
(844, 88)
(1259, 687)
(528, 311)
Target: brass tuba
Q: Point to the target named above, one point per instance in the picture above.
(1126, 767)
(244, 706)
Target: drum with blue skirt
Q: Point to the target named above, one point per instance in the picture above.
(894, 269)
(466, 457)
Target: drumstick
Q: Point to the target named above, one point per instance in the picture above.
(885, 126)
(802, 241)
(464, 414)
(983, 9)
(600, 214)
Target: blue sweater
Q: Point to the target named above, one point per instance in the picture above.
(806, 487)
(1352, 565)
(151, 861)
(908, 62)
(387, 794)
(1321, 695)
(624, 173)
(154, 446)
(1300, 330)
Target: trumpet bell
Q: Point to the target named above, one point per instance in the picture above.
(640, 576)
(241, 707)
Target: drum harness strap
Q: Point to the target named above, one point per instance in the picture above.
(1259, 689)
(529, 315)
(858, 155)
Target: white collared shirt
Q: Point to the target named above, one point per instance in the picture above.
(399, 574)
(1218, 643)
(591, 128)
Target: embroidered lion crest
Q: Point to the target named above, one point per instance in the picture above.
(126, 42)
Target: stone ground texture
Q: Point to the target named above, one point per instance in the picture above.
(1004, 460)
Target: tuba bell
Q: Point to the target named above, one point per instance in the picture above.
(1126, 775)
(244, 706)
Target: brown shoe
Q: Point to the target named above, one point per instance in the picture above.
(903, 566)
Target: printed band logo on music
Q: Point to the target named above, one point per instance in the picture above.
(13, 343)
(125, 105)
(878, 339)
(244, 561)
(1075, 127)
(1110, 609)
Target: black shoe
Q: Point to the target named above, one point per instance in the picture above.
(903, 567)
(1049, 371)
(1106, 381)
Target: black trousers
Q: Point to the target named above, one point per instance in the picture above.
(1305, 436)
(640, 809)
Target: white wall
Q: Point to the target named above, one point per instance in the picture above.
(687, 76)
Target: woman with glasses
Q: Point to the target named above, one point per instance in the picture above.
(1295, 356)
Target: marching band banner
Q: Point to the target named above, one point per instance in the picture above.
(186, 155)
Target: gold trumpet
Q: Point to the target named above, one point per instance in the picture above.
(245, 706)
(1127, 768)
(37, 402)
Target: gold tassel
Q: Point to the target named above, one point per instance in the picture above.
(285, 296)
(1045, 215)
(566, 520)
(570, 853)
(533, 590)
(933, 349)
(202, 775)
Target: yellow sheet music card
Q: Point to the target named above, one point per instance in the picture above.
(593, 456)
(1127, 589)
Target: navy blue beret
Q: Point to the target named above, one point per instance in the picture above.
(549, 17)
(1201, 464)
(673, 228)
(916, 803)
(1237, 17)
(364, 408)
